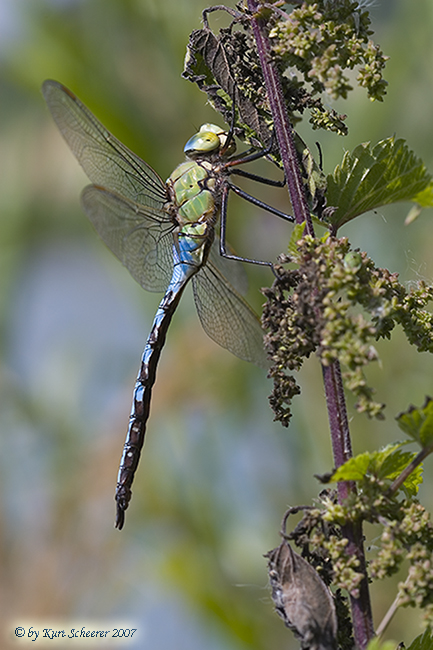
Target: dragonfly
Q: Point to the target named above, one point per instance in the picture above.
(164, 234)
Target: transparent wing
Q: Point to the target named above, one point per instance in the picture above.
(233, 270)
(140, 237)
(105, 160)
(226, 317)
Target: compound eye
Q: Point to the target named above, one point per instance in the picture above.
(202, 142)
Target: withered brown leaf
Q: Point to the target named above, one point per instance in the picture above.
(302, 599)
(219, 66)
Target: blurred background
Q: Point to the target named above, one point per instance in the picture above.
(216, 474)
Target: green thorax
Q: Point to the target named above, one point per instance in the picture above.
(191, 186)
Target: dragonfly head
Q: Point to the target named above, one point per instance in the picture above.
(208, 140)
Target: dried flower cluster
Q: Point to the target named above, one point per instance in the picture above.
(323, 39)
(336, 303)
(409, 536)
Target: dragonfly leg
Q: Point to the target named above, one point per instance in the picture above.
(223, 229)
(246, 157)
(257, 178)
(260, 204)
(250, 157)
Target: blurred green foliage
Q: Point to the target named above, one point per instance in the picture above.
(216, 473)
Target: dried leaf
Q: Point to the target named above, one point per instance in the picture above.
(215, 64)
(302, 599)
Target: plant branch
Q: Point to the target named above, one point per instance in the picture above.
(337, 413)
(388, 616)
(342, 450)
(283, 128)
(398, 482)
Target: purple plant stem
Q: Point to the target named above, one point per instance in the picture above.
(335, 400)
(362, 618)
(283, 128)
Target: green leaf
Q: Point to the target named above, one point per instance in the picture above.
(377, 644)
(422, 642)
(385, 464)
(354, 469)
(297, 234)
(418, 423)
(371, 177)
(425, 198)
(422, 200)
